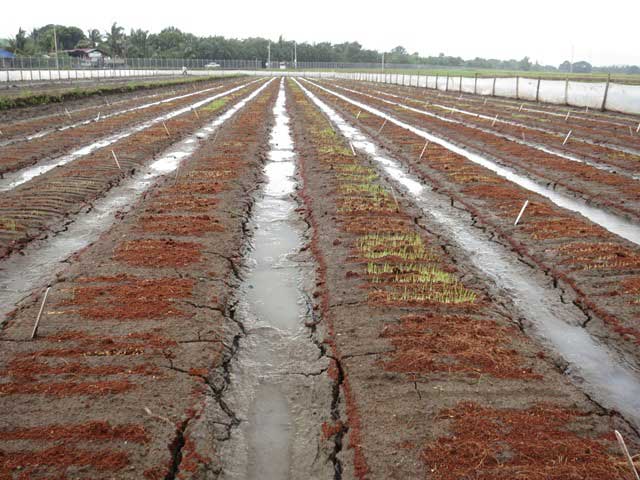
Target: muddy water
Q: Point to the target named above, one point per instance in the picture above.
(39, 262)
(279, 388)
(12, 180)
(613, 223)
(600, 371)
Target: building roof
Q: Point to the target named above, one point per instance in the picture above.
(84, 51)
(6, 54)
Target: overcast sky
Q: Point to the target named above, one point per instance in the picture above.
(545, 30)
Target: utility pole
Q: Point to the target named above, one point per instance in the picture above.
(295, 55)
(269, 55)
(572, 52)
(55, 45)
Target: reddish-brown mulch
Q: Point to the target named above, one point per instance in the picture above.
(158, 253)
(531, 444)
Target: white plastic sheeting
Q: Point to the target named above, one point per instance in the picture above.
(620, 98)
(86, 74)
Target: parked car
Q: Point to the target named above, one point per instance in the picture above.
(212, 65)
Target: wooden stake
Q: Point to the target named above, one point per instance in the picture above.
(67, 112)
(521, 105)
(494, 120)
(630, 131)
(521, 212)
(485, 101)
(567, 137)
(383, 124)
(424, 149)
(166, 129)
(524, 139)
(625, 452)
(358, 115)
(567, 117)
(116, 159)
(195, 111)
(352, 149)
(638, 129)
(98, 117)
(35, 327)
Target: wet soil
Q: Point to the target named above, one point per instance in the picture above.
(47, 202)
(391, 294)
(19, 155)
(617, 193)
(592, 268)
(126, 376)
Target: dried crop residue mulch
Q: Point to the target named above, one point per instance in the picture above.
(434, 380)
(124, 376)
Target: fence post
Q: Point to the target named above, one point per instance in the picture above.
(566, 91)
(475, 85)
(460, 86)
(446, 85)
(517, 87)
(606, 93)
(538, 90)
(493, 89)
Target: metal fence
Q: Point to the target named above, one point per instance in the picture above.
(65, 62)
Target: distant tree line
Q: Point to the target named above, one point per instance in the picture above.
(173, 43)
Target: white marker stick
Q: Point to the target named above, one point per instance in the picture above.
(567, 137)
(567, 117)
(67, 112)
(521, 105)
(35, 327)
(638, 129)
(424, 149)
(195, 111)
(352, 149)
(116, 159)
(625, 451)
(382, 126)
(98, 117)
(521, 212)
(485, 101)
(358, 115)
(494, 120)
(166, 129)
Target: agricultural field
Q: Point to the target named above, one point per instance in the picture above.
(272, 278)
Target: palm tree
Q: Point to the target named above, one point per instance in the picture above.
(115, 39)
(95, 37)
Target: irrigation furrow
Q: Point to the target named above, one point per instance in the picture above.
(126, 376)
(429, 365)
(50, 150)
(279, 387)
